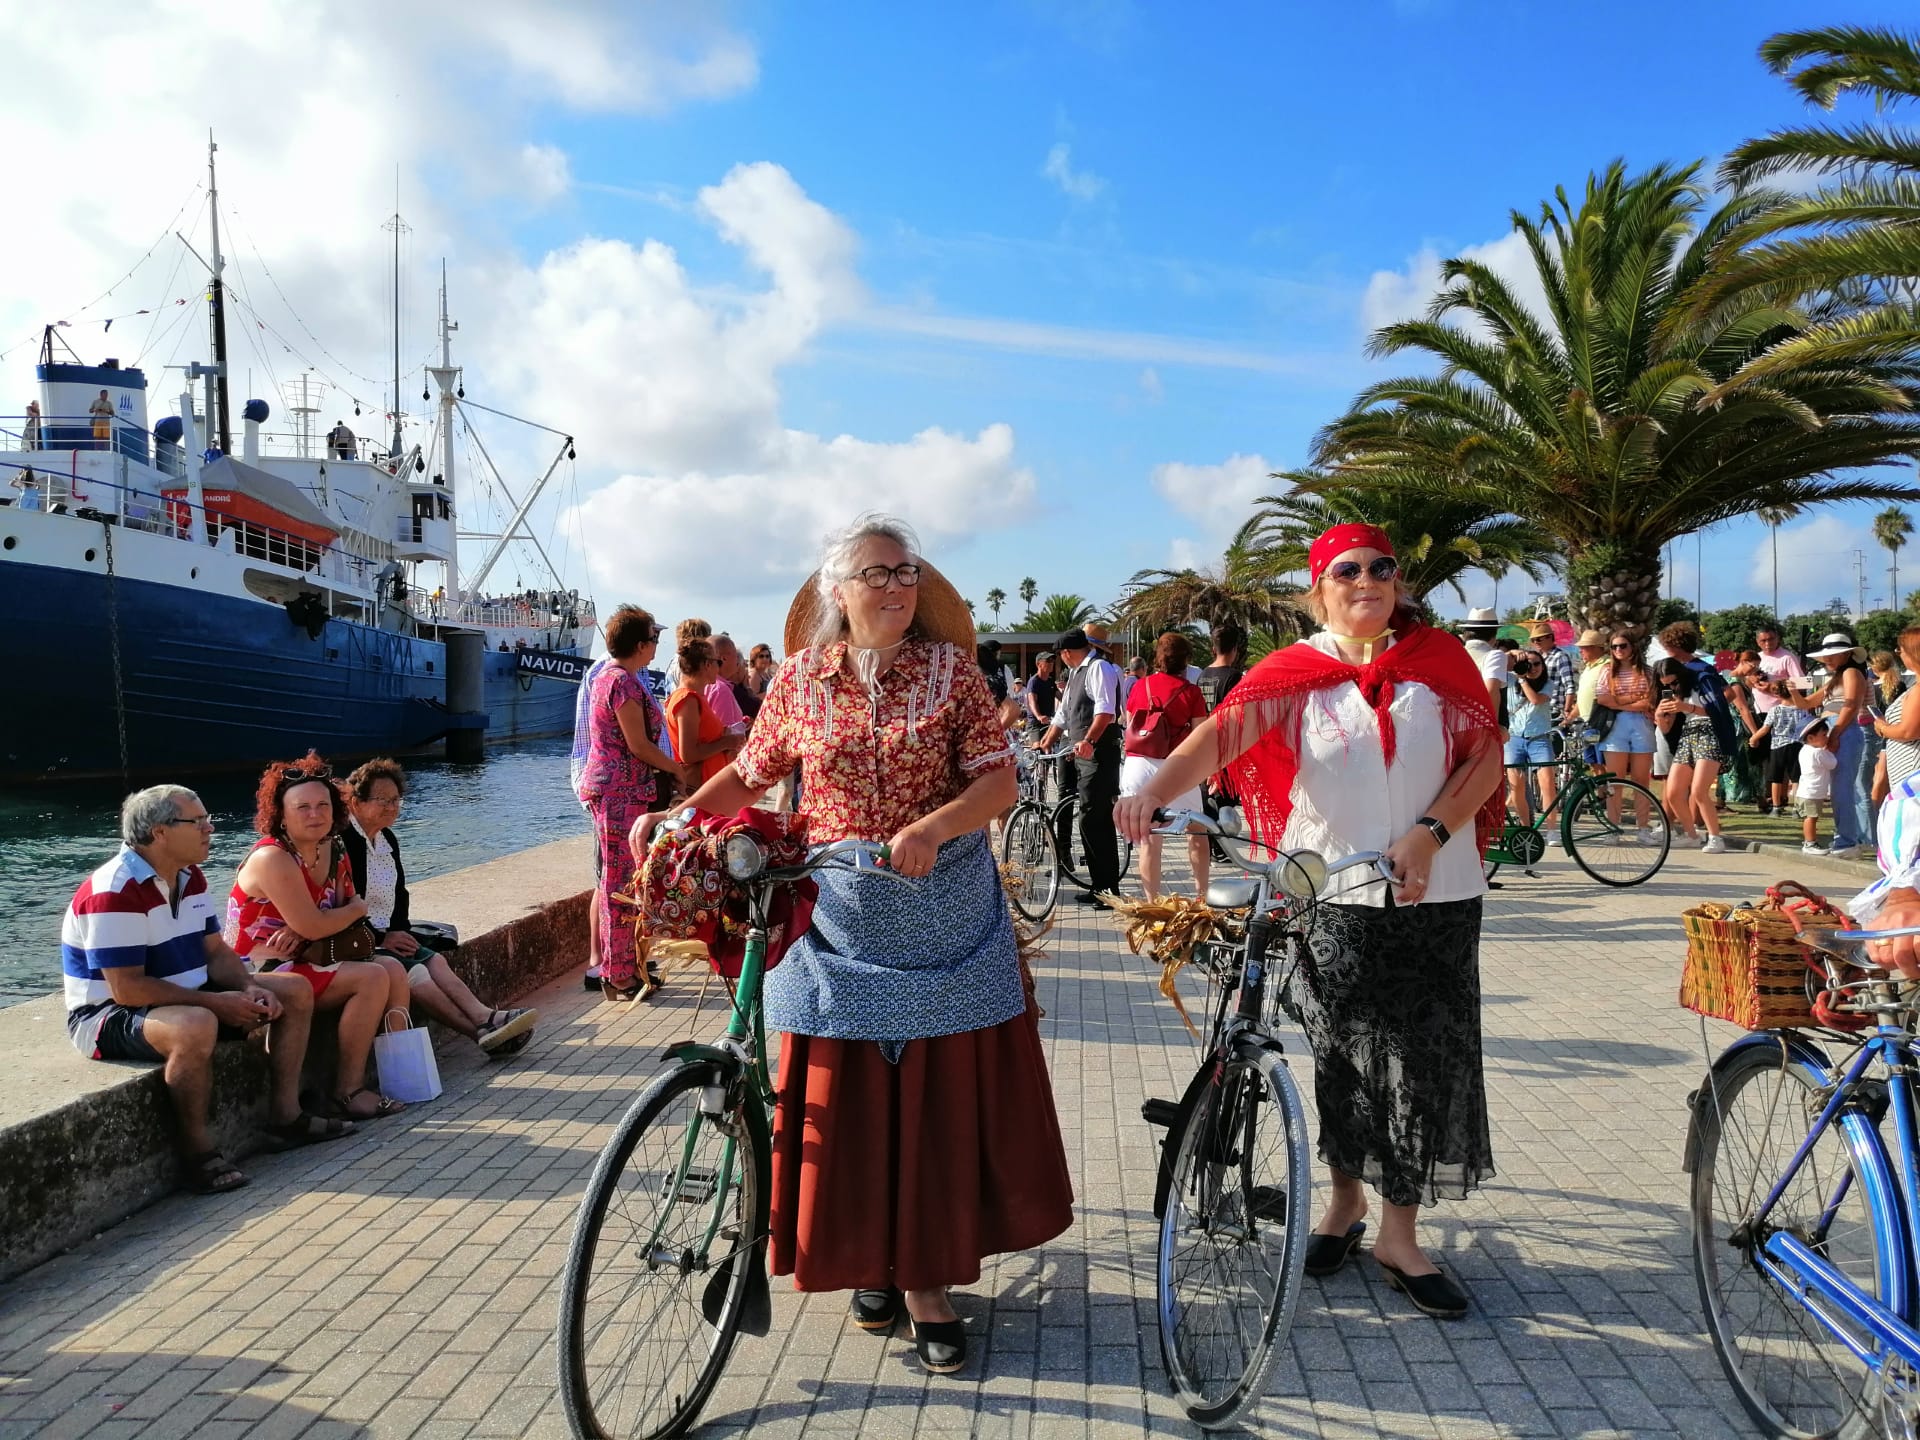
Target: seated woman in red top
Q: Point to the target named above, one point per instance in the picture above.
(1162, 708)
(914, 1132)
(297, 878)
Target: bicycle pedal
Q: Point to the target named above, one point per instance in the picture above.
(1160, 1112)
(699, 1185)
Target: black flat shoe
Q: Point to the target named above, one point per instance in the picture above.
(876, 1309)
(1326, 1254)
(1435, 1294)
(940, 1344)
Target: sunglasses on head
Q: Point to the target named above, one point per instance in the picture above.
(1382, 568)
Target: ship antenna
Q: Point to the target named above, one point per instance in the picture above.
(217, 300)
(399, 227)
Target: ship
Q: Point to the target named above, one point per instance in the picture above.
(180, 608)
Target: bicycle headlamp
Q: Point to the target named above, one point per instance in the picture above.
(746, 856)
(1300, 874)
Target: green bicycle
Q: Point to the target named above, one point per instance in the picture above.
(1614, 829)
(668, 1261)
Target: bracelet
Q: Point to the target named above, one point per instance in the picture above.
(1441, 834)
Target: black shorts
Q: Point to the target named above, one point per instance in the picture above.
(1783, 764)
(111, 1031)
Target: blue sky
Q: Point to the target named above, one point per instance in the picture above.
(996, 266)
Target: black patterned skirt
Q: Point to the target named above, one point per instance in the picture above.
(1391, 1006)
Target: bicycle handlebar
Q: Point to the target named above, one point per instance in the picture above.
(1851, 945)
(1174, 822)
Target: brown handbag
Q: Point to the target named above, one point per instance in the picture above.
(356, 942)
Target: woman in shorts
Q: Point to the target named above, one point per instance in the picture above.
(1626, 687)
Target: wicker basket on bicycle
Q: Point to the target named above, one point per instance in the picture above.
(1747, 964)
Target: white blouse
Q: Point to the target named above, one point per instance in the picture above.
(1346, 799)
(381, 878)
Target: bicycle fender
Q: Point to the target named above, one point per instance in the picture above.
(756, 1315)
(693, 1051)
(1797, 1050)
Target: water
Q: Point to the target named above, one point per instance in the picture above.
(455, 816)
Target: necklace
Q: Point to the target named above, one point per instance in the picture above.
(307, 864)
(1368, 641)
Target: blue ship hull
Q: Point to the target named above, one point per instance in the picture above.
(211, 682)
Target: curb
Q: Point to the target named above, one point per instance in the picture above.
(1865, 870)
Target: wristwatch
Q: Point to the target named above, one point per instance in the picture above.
(1439, 832)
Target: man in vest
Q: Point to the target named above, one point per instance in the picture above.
(1087, 715)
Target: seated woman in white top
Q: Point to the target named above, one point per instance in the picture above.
(1376, 734)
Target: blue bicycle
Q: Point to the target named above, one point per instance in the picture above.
(1805, 1160)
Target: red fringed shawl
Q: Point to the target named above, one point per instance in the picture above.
(1263, 776)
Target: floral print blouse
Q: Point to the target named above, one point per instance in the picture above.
(873, 763)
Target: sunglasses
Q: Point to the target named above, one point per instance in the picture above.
(1382, 568)
(1619, 645)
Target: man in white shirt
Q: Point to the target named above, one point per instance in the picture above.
(1478, 630)
(1088, 714)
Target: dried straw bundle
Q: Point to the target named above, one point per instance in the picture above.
(1166, 930)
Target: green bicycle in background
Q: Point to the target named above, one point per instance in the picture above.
(1614, 829)
(668, 1261)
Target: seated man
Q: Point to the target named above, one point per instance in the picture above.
(149, 978)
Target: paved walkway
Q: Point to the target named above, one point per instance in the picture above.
(404, 1283)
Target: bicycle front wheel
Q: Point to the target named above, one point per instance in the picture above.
(1233, 1236)
(1031, 866)
(1604, 832)
(658, 1271)
(1792, 1373)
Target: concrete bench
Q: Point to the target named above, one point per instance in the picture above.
(85, 1143)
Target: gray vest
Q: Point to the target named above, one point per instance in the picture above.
(1075, 715)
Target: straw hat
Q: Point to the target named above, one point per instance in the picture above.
(939, 613)
(1837, 644)
(1480, 619)
(1591, 640)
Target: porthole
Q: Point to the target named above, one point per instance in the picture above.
(194, 573)
(90, 555)
(11, 542)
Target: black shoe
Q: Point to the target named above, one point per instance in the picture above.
(876, 1309)
(1326, 1254)
(1087, 897)
(1435, 1294)
(940, 1344)
(593, 977)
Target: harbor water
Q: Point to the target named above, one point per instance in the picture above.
(455, 815)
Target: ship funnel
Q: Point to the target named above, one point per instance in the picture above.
(255, 414)
(68, 394)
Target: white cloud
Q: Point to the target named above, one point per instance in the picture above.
(1816, 564)
(1081, 185)
(1073, 342)
(1404, 294)
(1151, 387)
(544, 173)
(1216, 497)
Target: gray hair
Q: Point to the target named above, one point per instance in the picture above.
(145, 811)
(836, 565)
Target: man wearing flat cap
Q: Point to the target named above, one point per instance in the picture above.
(1086, 715)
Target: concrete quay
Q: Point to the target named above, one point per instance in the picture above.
(404, 1282)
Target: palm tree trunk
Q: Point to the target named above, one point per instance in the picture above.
(1774, 532)
(1611, 587)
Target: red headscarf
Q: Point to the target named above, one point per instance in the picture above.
(1263, 776)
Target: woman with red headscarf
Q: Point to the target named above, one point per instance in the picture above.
(1375, 734)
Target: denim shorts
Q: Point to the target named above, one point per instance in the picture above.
(1632, 734)
(1529, 750)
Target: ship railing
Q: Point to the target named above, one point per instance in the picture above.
(504, 615)
(172, 516)
(78, 432)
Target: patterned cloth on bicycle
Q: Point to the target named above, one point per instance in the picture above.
(685, 892)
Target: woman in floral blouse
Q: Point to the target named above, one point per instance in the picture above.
(915, 1131)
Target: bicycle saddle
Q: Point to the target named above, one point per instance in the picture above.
(1234, 893)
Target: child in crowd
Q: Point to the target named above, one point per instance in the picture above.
(1817, 764)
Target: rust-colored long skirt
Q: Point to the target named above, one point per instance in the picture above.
(909, 1174)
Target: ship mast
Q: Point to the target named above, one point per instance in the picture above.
(399, 227)
(217, 299)
(447, 377)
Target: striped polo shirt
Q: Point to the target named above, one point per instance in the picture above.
(120, 916)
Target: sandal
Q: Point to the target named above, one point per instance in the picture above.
(213, 1174)
(309, 1129)
(621, 994)
(343, 1105)
(505, 1026)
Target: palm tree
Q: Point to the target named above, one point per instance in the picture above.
(996, 597)
(1774, 516)
(1029, 588)
(1245, 587)
(1891, 527)
(1437, 537)
(1855, 243)
(1590, 422)
(1059, 612)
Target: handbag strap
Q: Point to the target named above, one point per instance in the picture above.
(406, 1020)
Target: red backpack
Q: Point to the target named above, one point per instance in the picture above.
(1150, 731)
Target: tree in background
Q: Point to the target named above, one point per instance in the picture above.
(1891, 527)
(996, 597)
(1029, 588)
(1058, 612)
(1773, 517)
(1733, 628)
(1594, 423)
(1245, 586)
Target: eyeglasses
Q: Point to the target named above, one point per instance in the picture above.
(393, 803)
(204, 822)
(1382, 568)
(875, 577)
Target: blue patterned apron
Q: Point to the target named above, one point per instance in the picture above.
(891, 959)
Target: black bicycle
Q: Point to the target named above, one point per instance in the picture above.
(1030, 853)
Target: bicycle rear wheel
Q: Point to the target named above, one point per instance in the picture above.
(1027, 857)
(1793, 1375)
(1073, 860)
(660, 1263)
(1233, 1235)
(1601, 829)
